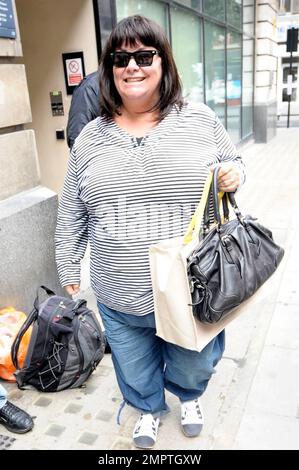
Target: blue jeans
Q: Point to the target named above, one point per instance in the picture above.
(145, 365)
(3, 396)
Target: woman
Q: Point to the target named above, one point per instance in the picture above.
(135, 175)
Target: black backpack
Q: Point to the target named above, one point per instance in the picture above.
(66, 344)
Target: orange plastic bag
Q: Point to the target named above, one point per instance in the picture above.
(11, 321)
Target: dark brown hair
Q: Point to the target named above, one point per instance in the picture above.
(131, 30)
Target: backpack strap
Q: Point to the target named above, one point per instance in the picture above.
(29, 320)
(16, 344)
(49, 291)
(79, 304)
(37, 300)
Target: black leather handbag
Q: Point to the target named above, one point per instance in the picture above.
(232, 261)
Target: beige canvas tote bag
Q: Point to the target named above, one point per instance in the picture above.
(175, 322)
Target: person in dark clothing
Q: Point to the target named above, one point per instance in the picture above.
(12, 417)
(85, 106)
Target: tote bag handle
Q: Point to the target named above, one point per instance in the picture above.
(195, 222)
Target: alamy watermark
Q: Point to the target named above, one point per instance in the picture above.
(137, 221)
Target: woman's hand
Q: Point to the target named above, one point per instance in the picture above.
(228, 178)
(72, 289)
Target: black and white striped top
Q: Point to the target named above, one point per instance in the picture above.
(123, 195)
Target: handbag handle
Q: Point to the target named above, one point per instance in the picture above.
(227, 196)
(222, 196)
(202, 210)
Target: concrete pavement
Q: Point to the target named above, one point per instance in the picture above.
(253, 400)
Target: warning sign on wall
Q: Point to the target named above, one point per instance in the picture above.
(74, 70)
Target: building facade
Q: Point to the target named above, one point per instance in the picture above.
(288, 18)
(225, 50)
(213, 45)
(27, 209)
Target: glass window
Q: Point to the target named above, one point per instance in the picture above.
(285, 6)
(248, 16)
(233, 13)
(215, 68)
(186, 30)
(216, 9)
(234, 85)
(195, 4)
(153, 9)
(285, 96)
(247, 87)
(287, 72)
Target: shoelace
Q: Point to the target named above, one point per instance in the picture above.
(146, 426)
(121, 407)
(191, 412)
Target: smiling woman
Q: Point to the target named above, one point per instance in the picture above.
(160, 88)
(135, 175)
(137, 83)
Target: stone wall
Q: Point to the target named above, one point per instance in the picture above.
(27, 210)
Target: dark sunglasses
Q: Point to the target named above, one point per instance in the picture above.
(142, 58)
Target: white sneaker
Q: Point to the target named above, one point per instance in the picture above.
(145, 431)
(191, 418)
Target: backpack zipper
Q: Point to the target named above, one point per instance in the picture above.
(90, 327)
(59, 307)
(77, 343)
